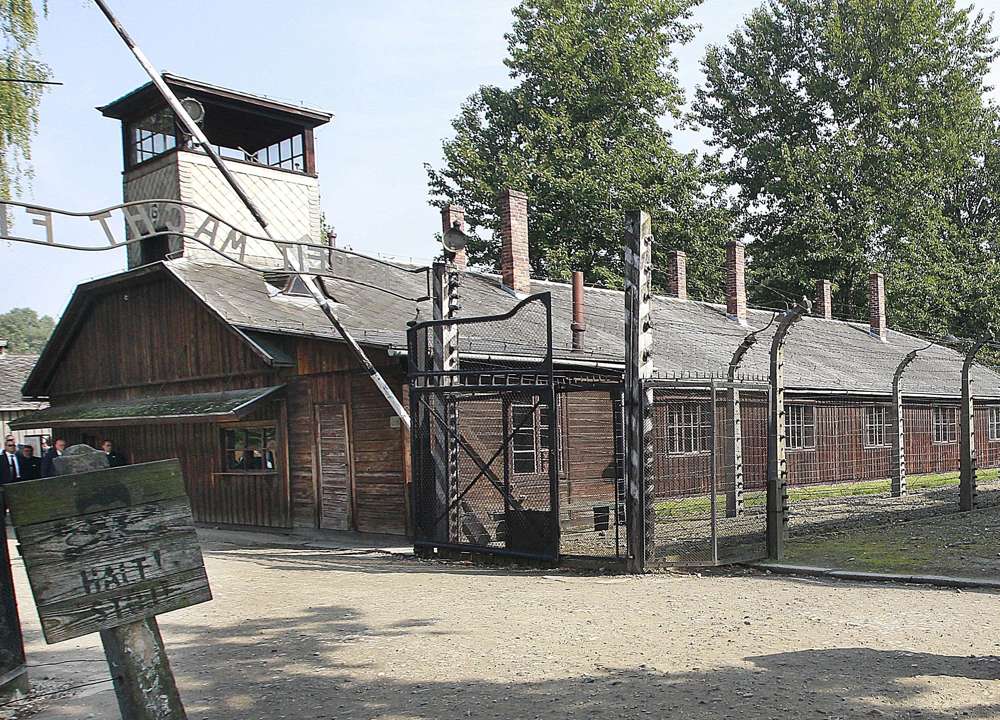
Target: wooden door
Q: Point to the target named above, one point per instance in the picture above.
(335, 486)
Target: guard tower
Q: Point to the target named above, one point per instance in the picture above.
(268, 146)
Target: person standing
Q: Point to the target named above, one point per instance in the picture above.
(115, 459)
(31, 466)
(10, 464)
(48, 469)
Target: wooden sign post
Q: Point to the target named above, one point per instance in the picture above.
(106, 551)
(13, 670)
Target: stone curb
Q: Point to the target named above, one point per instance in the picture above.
(934, 580)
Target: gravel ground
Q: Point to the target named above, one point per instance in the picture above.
(313, 633)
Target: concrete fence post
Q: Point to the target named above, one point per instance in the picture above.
(734, 427)
(897, 459)
(967, 493)
(444, 445)
(777, 471)
(640, 480)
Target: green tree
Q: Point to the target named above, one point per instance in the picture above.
(582, 133)
(19, 101)
(847, 128)
(25, 330)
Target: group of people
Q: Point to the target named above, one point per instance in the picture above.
(20, 462)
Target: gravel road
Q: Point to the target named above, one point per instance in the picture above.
(296, 632)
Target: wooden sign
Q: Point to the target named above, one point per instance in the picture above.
(108, 547)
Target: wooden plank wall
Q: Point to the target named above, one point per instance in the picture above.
(252, 499)
(153, 333)
(328, 373)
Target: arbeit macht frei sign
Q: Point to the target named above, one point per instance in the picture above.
(96, 230)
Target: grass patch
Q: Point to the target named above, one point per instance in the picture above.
(702, 504)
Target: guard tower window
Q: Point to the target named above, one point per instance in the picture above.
(286, 154)
(152, 136)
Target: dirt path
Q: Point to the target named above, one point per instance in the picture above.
(302, 633)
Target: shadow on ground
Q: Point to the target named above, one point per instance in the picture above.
(290, 668)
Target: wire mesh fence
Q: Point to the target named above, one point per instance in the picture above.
(709, 466)
(592, 473)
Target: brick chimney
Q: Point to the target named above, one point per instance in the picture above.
(677, 274)
(450, 214)
(514, 260)
(823, 306)
(876, 306)
(736, 289)
(579, 324)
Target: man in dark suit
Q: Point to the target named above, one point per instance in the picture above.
(48, 469)
(31, 466)
(115, 459)
(10, 463)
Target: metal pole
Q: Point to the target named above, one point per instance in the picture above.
(641, 498)
(777, 471)
(713, 470)
(968, 496)
(311, 282)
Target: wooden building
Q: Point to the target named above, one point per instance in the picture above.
(14, 369)
(242, 377)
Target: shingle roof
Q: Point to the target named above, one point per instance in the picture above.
(14, 369)
(689, 336)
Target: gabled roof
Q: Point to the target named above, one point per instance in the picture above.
(688, 336)
(14, 369)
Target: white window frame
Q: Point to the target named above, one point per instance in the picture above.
(689, 425)
(877, 427)
(538, 428)
(993, 423)
(800, 427)
(944, 424)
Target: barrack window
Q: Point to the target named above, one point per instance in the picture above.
(945, 422)
(994, 423)
(688, 428)
(877, 430)
(250, 449)
(800, 427)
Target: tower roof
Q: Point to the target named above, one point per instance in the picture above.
(147, 98)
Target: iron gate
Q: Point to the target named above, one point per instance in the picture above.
(710, 472)
(483, 412)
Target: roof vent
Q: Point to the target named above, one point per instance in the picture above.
(284, 283)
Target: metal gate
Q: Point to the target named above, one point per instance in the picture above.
(484, 449)
(710, 472)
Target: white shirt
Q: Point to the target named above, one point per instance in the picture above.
(8, 458)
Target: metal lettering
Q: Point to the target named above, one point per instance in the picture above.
(203, 229)
(44, 220)
(102, 218)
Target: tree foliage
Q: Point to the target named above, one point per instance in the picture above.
(857, 138)
(582, 132)
(25, 330)
(19, 101)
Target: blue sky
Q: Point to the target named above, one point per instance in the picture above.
(393, 71)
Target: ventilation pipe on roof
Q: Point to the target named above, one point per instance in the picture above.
(876, 306)
(515, 264)
(824, 300)
(677, 274)
(579, 324)
(451, 214)
(736, 289)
